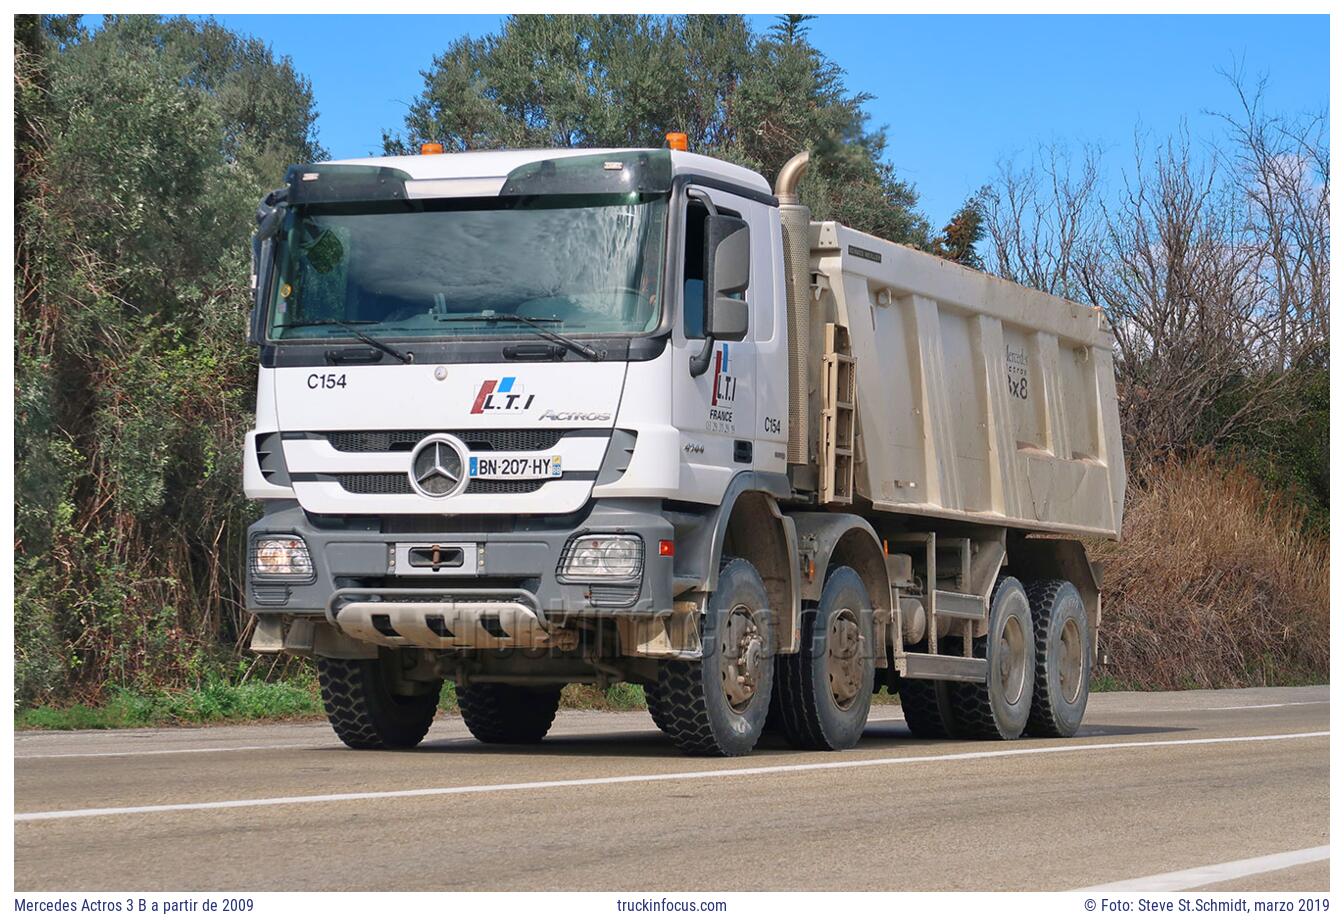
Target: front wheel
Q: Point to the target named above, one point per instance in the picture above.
(365, 711)
(717, 704)
(825, 690)
(506, 714)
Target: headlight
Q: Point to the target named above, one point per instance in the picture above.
(603, 557)
(281, 556)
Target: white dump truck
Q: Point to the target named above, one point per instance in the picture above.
(529, 418)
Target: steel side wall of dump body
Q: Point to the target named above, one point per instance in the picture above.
(978, 399)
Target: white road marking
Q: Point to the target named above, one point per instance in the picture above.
(644, 778)
(1200, 876)
(195, 750)
(316, 746)
(1266, 705)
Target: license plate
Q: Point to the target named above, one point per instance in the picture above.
(514, 466)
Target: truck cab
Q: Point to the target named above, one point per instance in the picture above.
(527, 418)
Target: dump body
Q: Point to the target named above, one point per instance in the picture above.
(978, 399)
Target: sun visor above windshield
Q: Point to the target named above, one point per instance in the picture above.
(647, 172)
(328, 183)
(479, 187)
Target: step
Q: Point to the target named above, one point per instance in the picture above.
(918, 666)
(959, 606)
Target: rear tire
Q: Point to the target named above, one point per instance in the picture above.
(999, 708)
(701, 704)
(363, 710)
(927, 707)
(1063, 659)
(824, 691)
(507, 714)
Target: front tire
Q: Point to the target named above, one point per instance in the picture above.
(826, 689)
(506, 714)
(1063, 659)
(364, 711)
(717, 704)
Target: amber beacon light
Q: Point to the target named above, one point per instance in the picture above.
(426, 149)
(676, 140)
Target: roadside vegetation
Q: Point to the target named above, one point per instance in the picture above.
(1218, 584)
(142, 148)
(253, 699)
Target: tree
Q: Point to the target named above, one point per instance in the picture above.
(963, 233)
(624, 81)
(141, 151)
(1213, 272)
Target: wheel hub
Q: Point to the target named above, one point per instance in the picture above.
(1070, 661)
(742, 658)
(844, 658)
(1012, 663)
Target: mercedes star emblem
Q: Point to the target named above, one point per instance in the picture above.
(438, 466)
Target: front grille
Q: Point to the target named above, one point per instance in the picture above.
(505, 486)
(375, 483)
(439, 524)
(476, 439)
(400, 484)
(613, 595)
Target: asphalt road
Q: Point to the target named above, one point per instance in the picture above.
(1155, 784)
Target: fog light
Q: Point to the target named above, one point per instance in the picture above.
(281, 556)
(602, 557)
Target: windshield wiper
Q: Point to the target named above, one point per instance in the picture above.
(558, 338)
(352, 326)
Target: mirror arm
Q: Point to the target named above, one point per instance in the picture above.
(700, 362)
(704, 199)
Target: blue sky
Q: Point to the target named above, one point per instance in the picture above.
(957, 93)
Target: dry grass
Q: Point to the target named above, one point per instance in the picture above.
(1215, 584)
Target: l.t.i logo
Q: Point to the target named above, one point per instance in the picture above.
(503, 395)
(725, 385)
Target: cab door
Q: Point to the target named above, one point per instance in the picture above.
(715, 411)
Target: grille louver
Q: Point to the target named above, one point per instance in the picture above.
(476, 439)
(399, 484)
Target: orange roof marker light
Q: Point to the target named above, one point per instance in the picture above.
(676, 140)
(427, 149)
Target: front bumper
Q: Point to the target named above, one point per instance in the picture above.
(365, 556)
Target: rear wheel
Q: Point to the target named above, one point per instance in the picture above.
(825, 690)
(927, 707)
(999, 707)
(717, 704)
(506, 714)
(364, 708)
(1063, 659)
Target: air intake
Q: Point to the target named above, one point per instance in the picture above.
(797, 221)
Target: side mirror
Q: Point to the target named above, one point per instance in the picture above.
(270, 218)
(727, 273)
(263, 249)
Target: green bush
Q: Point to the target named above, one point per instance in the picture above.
(217, 700)
(141, 151)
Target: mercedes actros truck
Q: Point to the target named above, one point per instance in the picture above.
(534, 417)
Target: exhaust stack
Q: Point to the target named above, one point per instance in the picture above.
(797, 223)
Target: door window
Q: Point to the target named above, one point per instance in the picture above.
(693, 270)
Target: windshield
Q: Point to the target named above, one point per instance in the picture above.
(579, 265)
